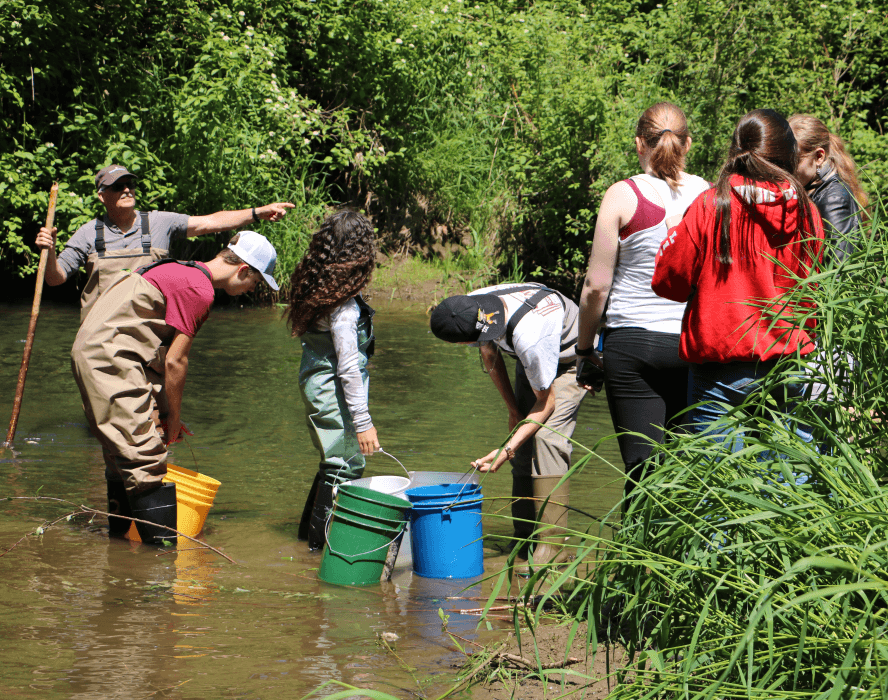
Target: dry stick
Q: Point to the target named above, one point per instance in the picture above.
(520, 659)
(86, 509)
(32, 326)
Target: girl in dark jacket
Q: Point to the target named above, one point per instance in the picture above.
(829, 176)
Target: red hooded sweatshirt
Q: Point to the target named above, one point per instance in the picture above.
(724, 320)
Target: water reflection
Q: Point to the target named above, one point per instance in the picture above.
(82, 616)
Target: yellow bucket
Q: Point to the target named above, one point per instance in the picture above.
(191, 514)
(195, 493)
(195, 480)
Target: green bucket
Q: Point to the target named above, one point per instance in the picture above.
(356, 549)
(374, 504)
(392, 524)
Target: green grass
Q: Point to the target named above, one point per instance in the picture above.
(726, 578)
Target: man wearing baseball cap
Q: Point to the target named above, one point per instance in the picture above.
(125, 238)
(162, 304)
(538, 327)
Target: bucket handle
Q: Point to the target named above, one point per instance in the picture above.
(360, 554)
(456, 500)
(396, 459)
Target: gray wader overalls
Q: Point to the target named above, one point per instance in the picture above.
(540, 462)
(117, 342)
(329, 421)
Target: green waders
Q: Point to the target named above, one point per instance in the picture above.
(330, 422)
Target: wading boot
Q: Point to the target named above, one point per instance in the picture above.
(323, 503)
(523, 513)
(304, 521)
(551, 520)
(118, 504)
(159, 508)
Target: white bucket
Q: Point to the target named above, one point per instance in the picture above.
(392, 485)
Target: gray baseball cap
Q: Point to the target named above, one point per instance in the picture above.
(111, 174)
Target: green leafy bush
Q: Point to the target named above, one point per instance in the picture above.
(503, 117)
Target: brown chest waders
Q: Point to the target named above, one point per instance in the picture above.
(110, 359)
(103, 265)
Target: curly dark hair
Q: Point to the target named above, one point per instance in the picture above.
(337, 265)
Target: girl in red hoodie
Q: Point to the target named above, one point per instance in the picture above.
(739, 249)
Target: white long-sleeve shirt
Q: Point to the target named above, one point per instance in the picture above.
(342, 323)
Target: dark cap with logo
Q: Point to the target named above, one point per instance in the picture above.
(469, 319)
(111, 174)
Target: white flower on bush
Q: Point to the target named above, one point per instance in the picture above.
(411, 46)
(241, 13)
(268, 99)
(399, 40)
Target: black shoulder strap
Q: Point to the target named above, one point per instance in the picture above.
(146, 233)
(145, 229)
(527, 305)
(188, 263)
(100, 237)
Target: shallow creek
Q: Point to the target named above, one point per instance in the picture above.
(82, 616)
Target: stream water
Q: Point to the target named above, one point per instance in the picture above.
(82, 616)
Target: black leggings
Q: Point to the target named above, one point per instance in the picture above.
(646, 385)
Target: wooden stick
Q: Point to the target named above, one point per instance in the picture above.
(32, 326)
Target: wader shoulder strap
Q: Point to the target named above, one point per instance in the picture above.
(527, 305)
(100, 237)
(188, 263)
(146, 235)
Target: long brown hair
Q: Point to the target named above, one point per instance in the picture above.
(664, 129)
(337, 265)
(811, 133)
(763, 149)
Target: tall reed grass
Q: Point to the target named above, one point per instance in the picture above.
(728, 579)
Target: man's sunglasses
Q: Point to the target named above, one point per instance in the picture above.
(119, 186)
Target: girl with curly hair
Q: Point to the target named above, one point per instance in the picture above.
(334, 324)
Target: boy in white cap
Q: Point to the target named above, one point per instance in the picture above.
(159, 305)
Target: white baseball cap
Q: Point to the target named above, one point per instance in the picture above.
(255, 250)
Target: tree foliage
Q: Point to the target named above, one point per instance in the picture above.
(498, 122)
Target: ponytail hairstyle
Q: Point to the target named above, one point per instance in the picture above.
(664, 130)
(763, 149)
(811, 133)
(337, 265)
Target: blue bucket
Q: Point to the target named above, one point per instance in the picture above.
(445, 531)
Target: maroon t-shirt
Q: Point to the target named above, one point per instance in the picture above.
(188, 292)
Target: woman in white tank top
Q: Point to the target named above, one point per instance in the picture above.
(645, 381)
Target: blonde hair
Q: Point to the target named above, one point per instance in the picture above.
(811, 134)
(664, 129)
